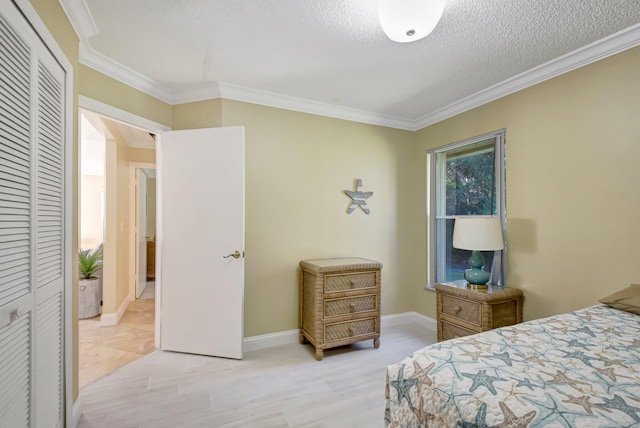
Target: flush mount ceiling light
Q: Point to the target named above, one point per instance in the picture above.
(406, 21)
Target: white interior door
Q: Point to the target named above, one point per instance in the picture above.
(141, 231)
(201, 229)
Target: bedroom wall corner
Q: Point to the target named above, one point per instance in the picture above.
(199, 114)
(297, 168)
(572, 174)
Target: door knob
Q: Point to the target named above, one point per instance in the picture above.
(235, 255)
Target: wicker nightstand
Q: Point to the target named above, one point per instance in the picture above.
(339, 302)
(463, 311)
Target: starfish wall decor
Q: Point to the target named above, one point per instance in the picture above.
(358, 198)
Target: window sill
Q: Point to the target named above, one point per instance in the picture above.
(430, 287)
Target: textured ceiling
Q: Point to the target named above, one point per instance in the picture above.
(334, 52)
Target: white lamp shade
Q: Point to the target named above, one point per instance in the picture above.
(478, 233)
(409, 20)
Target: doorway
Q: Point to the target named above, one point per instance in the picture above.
(121, 300)
(123, 330)
(142, 229)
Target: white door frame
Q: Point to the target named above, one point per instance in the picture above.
(134, 259)
(150, 126)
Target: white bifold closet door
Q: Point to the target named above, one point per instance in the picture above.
(32, 218)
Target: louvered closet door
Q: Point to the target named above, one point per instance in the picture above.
(31, 227)
(49, 242)
(16, 294)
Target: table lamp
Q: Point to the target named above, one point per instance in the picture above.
(477, 234)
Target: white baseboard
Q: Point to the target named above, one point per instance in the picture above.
(288, 337)
(270, 340)
(76, 414)
(423, 320)
(114, 318)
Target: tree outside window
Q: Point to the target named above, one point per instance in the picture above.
(466, 179)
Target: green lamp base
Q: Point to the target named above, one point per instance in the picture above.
(476, 275)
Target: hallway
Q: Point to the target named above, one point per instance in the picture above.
(105, 349)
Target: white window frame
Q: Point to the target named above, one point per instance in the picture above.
(498, 268)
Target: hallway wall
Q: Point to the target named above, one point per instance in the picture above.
(117, 254)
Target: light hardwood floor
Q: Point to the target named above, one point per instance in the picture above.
(105, 349)
(276, 387)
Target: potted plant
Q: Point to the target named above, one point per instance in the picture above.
(89, 262)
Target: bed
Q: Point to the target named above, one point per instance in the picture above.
(579, 369)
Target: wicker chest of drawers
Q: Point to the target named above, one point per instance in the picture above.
(339, 302)
(464, 311)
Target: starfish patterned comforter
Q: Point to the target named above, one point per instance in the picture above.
(580, 369)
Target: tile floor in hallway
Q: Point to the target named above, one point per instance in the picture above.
(105, 349)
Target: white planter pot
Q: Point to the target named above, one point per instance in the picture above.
(88, 298)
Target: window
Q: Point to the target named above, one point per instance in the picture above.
(464, 179)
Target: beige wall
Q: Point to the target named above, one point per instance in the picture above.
(151, 208)
(116, 244)
(57, 23)
(100, 87)
(117, 256)
(573, 145)
(110, 255)
(297, 168)
(200, 114)
(92, 189)
(141, 155)
(122, 245)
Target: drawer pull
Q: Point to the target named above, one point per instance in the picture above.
(352, 283)
(352, 307)
(457, 309)
(350, 330)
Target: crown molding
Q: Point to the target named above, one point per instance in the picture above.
(199, 92)
(302, 105)
(78, 13)
(117, 71)
(214, 90)
(611, 45)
